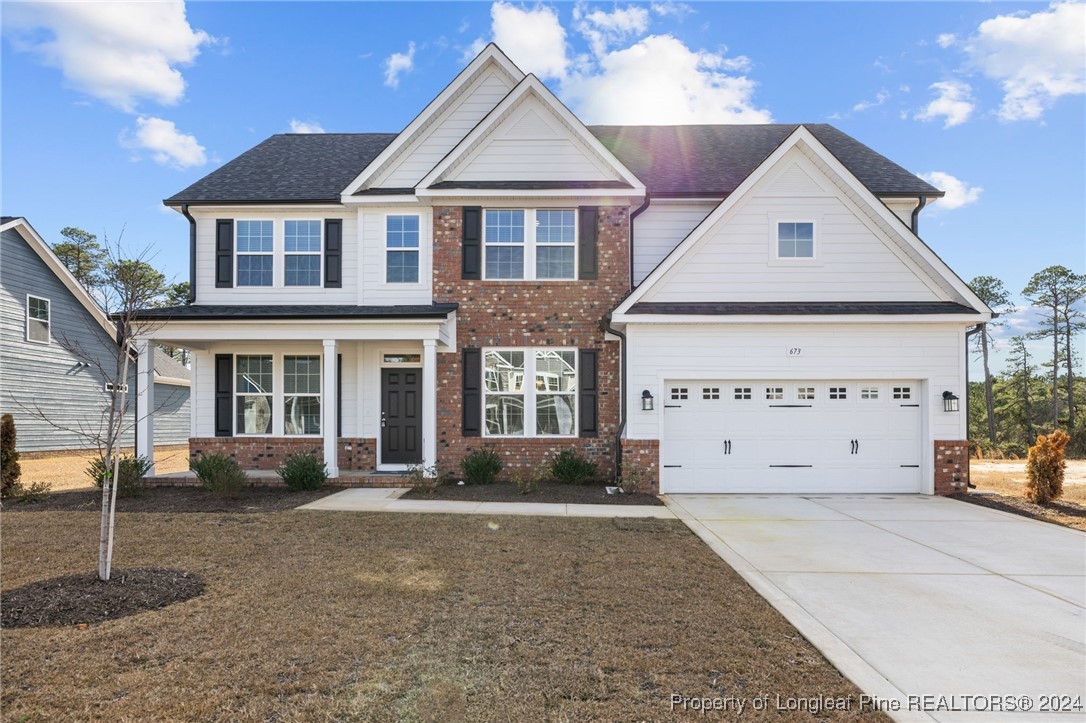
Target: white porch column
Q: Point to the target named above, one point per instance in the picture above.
(328, 407)
(145, 402)
(429, 403)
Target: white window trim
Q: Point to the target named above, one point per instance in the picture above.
(530, 245)
(278, 254)
(775, 220)
(319, 395)
(385, 248)
(529, 392)
(319, 253)
(48, 324)
(398, 365)
(278, 395)
(238, 254)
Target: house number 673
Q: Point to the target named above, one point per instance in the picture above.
(795, 351)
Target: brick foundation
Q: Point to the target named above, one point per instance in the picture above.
(269, 453)
(951, 467)
(641, 457)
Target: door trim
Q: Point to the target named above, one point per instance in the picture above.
(381, 465)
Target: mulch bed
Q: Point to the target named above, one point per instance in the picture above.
(83, 599)
(175, 499)
(547, 492)
(1068, 514)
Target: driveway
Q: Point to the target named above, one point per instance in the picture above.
(915, 596)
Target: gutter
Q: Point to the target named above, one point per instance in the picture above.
(636, 212)
(192, 252)
(605, 323)
(921, 201)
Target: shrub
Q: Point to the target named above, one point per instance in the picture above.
(32, 492)
(1044, 468)
(303, 472)
(423, 478)
(528, 481)
(130, 474)
(10, 472)
(220, 474)
(634, 477)
(572, 468)
(481, 467)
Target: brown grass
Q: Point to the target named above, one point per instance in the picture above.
(350, 616)
(67, 470)
(1009, 478)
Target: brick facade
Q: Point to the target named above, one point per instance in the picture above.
(641, 460)
(530, 314)
(268, 453)
(951, 467)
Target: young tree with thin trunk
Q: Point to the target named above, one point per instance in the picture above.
(1055, 291)
(992, 292)
(82, 255)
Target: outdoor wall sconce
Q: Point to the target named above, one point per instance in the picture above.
(950, 402)
(646, 401)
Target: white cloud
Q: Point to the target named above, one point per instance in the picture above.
(677, 9)
(953, 103)
(120, 52)
(399, 63)
(299, 126)
(533, 38)
(881, 97)
(660, 80)
(945, 40)
(602, 29)
(167, 145)
(1036, 58)
(958, 192)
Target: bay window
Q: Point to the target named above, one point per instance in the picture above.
(546, 406)
(530, 244)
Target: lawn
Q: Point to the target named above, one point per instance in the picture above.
(332, 616)
(67, 470)
(1008, 479)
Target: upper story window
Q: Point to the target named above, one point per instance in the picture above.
(37, 319)
(795, 240)
(255, 246)
(402, 249)
(302, 258)
(530, 244)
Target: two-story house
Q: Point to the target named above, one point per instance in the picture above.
(729, 308)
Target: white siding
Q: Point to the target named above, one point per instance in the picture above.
(735, 261)
(659, 229)
(451, 125)
(370, 279)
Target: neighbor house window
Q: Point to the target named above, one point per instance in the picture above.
(795, 240)
(37, 319)
(302, 253)
(546, 406)
(530, 244)
(253, 390)
(302, 394)
(255, 246)
(402, 249)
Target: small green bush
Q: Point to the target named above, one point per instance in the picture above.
(220, 475)
(130, 474)
(1045, 467)
(303, 472)
(481, 467)
(572, 468)
(32, 492)
(10, 472)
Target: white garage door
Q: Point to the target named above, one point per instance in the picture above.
(775, 436)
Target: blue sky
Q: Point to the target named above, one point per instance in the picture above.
(107, 109)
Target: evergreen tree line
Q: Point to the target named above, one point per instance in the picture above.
(1034, 393)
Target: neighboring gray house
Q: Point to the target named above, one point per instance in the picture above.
(43, 309)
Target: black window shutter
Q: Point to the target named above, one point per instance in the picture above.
(587, 256)
(339, 395)
(224, 395)
(588, 384)
(471, 247)
(333, 253)
(472, 397)
(224, 253)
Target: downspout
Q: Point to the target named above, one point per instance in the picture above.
(606, 324)
(965, 396)
(636, 212)
(192, 252)
(921, 201)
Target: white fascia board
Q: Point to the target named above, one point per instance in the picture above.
(528, 85)
(173, 381)
(490, 54)
(260, 208)
(578, 193)
(379, 200)
(668, 319)
(295, 330)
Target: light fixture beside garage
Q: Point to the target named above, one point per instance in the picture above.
(646, 401)
(950, 402)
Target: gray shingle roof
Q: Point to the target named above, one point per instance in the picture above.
(310, 311)
(167, 366)
(694, 160)
(802, 308)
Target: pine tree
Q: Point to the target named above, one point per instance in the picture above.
(1056, 291)
(81, 255)
(992, 292)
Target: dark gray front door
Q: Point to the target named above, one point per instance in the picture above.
(401, 416)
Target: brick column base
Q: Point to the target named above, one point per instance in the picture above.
(951, 467)
(641, 459)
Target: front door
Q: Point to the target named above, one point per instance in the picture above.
(401, 416)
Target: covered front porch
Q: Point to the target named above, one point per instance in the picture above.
(357, 389)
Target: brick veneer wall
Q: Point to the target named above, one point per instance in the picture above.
(530, 314)
(268, 453)
(641, 457)
(951, 467)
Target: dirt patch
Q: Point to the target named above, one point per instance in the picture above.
(1061, 512)
(175, 499)
(84, 599)
(67, 470)
(547, 492)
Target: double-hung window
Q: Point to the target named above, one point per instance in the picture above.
(255, 253)
(253, 391)
(795, 240)
(530, 244)
(402, 249)
(37, 319)
(545, 406)
(302, 390)
(302, 253)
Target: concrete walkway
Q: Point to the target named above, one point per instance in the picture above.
(388, 500)
(916, 596)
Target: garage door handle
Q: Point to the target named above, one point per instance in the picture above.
(855, 446)
(727, 446)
